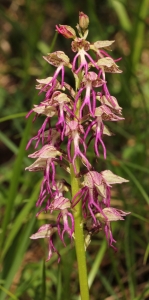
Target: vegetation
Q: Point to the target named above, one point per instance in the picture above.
(27, 34)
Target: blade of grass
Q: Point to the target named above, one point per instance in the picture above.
(139, 30)
(59, 284)
(95, 267)
(128, 257)
(43, 292)
(122, 14)
(17, 259)
(116, 273)
(67, 262)
(139, 217)
(137, 183)
(14, 116)
(7, 142)
(121, 162)
(8, 293)
(144, 294)
(107, 285)
(19, 220)
(146, 255)
(15, 180)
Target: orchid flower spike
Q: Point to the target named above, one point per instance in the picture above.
(72, 185)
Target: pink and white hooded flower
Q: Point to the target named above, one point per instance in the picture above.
(74, 131)
(89, 83)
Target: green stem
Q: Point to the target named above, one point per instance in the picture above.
(79, 238)
(79, 233)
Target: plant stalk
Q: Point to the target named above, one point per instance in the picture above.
(79, 238)
(77, 213)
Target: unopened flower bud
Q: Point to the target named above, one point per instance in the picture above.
(67, 31)
(83, 20)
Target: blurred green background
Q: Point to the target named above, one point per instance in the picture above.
(28, 33)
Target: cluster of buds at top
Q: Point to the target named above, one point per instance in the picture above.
(74, 117)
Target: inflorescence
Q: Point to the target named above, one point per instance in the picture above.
(78, 116)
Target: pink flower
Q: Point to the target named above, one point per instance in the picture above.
(89, 83)
(73, 131)
(95, 195)
(58, 59)
(81, 46)
(47, 231)
(46, 160)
